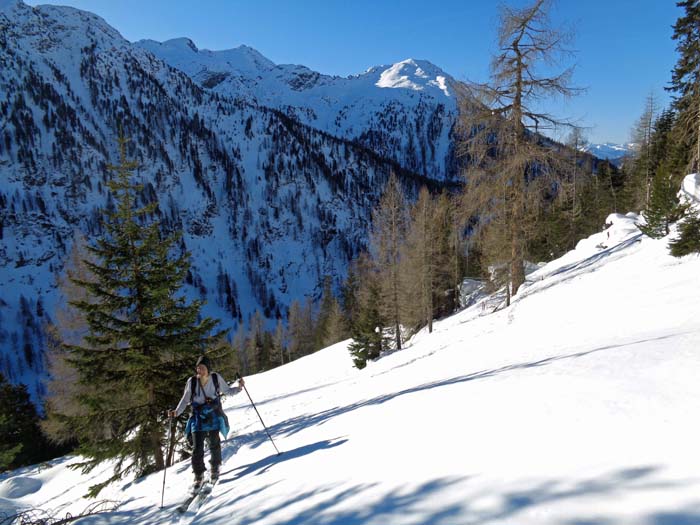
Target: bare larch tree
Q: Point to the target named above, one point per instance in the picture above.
(510, 163)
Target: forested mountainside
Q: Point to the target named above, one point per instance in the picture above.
(405, 111)
(268, 205)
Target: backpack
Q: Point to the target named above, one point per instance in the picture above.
(193, 386)
(218, 410)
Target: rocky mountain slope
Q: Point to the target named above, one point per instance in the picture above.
(268, 205)
(405, 111)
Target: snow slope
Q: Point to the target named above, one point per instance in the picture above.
(574, 406)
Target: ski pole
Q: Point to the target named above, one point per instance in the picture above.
(165, 469)
(238, 376)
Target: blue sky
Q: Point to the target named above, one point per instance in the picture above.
(623, 48)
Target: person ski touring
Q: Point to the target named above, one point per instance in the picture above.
(207, 420)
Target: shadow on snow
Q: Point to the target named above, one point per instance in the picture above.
(369, 506)
(296, 424)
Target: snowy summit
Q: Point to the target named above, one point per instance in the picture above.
(412, 74)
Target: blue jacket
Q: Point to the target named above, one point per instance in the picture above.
(206, 417)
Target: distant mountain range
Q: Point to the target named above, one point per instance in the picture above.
(615, 153)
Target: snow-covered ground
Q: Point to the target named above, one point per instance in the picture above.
(575, 406)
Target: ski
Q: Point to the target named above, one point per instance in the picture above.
(203, 494)
(194, 492)
(197, 497)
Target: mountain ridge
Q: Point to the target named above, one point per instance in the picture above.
(405, 111)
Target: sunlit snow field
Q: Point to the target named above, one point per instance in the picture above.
(577, 405)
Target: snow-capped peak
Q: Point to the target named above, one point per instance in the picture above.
(183, 54)
(183, 43)
(414, 74)
(39, 28)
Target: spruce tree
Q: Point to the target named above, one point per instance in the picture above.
(663, 148)
(600, 195)
(368, 330)
(570, 192)
(143, 336)
(268, 346)
(239, 357)
(362, 293)
(688, 240)
(10, 448)
(664, 207)
(685, 84)
(448, 261)
(227, 360)
(20, 439)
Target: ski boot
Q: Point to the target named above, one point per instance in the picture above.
(198, 482)
(214, 475)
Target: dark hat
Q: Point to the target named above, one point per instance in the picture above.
(204, 360)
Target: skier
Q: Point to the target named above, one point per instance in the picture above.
(207, 419)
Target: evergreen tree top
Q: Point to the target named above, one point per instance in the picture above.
(686, 31)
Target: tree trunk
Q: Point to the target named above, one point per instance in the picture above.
(398, 336)
(507, 295)
(517, 275)
(157, 450)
